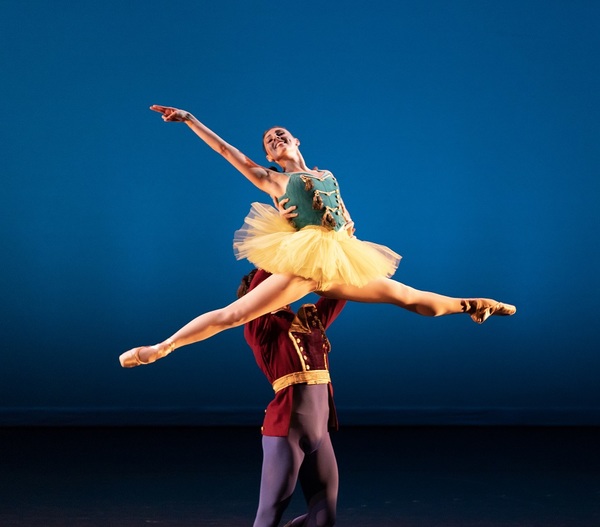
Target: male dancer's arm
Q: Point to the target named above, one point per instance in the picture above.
(329, 309)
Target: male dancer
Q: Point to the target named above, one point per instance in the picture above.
(292, 351)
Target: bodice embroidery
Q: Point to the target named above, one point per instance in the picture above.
(317, 200)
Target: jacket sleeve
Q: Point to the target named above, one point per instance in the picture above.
(329, 309)
(258, 330)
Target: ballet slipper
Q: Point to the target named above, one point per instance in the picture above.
(480, 309)
(131, 358)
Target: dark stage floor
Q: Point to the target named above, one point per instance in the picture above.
(390, 476)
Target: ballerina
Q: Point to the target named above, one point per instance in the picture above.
(309, 246)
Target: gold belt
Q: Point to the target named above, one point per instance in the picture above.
(302, 377)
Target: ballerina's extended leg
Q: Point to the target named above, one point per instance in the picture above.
(386, 290)
(280, 290)
(275, 292)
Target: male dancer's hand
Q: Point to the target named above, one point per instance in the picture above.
(287, 213)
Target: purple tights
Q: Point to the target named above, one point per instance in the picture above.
(306, 454)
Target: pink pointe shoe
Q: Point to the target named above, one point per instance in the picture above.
(131, 358)
(480, 309)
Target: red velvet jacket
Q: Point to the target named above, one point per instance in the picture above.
(283, 343)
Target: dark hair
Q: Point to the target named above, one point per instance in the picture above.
(245, 283)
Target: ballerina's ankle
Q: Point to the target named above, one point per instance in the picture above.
(170, 348)
(162, 350)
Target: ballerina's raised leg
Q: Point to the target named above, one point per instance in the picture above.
(388, 291)
(280, 290)
(273, 293)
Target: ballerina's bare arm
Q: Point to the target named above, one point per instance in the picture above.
(269, 181)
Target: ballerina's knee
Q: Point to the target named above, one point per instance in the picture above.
(231, 317)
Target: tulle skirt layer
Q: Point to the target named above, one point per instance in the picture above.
(269, 242)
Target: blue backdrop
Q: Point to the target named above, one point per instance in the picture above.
(464, 135)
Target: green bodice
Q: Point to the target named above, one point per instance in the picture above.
(317, 200)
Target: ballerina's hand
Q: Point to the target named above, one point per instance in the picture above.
(170, 114)
(287, 213)
(350, 228)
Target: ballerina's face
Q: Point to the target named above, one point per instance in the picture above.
(277, 141)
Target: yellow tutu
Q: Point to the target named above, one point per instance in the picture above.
(328, 257)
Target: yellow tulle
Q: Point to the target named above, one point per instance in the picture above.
(271, 243)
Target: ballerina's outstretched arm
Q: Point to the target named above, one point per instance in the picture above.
(267, 180)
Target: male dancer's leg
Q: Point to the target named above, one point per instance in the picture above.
(318, 473)
(320, 482)
(281, 462)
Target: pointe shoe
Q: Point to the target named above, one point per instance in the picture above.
(131, 358)
(480, 309)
